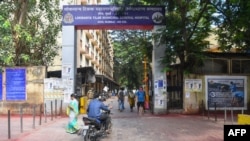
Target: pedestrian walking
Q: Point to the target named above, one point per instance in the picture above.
(121, 98)
(131, 100)
(90, 96)
(140, 98)
(73, 112)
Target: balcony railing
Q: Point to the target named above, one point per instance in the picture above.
(94, 42)
(86, 49)
(84, 2)
(98, 32)
(88, 34)
(82, 50)
(88, 55)
(98, 47)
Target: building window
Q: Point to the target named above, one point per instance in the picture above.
(87, 63)
(240, 66)
(215, 66)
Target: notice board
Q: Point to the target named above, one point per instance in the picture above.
(15, 84)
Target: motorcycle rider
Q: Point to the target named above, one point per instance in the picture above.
(94, 110)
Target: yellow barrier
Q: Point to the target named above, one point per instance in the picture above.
(82, 104)
(243, 119)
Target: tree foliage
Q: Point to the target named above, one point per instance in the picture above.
(190, 22)
(29, 30)
(233, 24)
(130, 47)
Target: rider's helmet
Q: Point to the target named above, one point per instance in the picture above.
(96, 95)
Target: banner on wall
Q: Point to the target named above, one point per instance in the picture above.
(160, 93)
(193, 85)
(53, 88)
(67, 81)
(226, 91)
(68, 89)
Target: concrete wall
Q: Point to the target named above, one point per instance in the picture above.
(192, 100)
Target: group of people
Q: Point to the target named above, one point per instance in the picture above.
(94, 107)
(133, 97)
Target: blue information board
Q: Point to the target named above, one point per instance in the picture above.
(160, 83)
(1, 86)
(15, 84)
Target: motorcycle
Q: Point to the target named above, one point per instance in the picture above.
(93, 129)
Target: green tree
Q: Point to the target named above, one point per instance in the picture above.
(28, 32)
(130, 46)
(188, 24)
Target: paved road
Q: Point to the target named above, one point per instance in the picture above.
(127, 126)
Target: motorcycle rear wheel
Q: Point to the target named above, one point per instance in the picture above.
(87, 137)
(109, 126)
(90, 135)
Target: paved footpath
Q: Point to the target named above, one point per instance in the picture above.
(127, 126)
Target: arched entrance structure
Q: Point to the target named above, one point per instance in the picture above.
(113, 17)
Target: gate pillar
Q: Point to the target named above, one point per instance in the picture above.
(159, 77)
(69, 68)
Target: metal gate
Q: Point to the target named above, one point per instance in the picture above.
(175, 97)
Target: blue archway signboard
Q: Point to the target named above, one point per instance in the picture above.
(112, 17)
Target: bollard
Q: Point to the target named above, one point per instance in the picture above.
(61, 108)
(55, 108)
(203, 108)
(215, 112)
(21, 119)
(45, 113)
(242, 111)
(51, 104)
(40, 115)
(232, 116)
(225, 115)
(34, 116)
(9, 124)
(208, 110)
